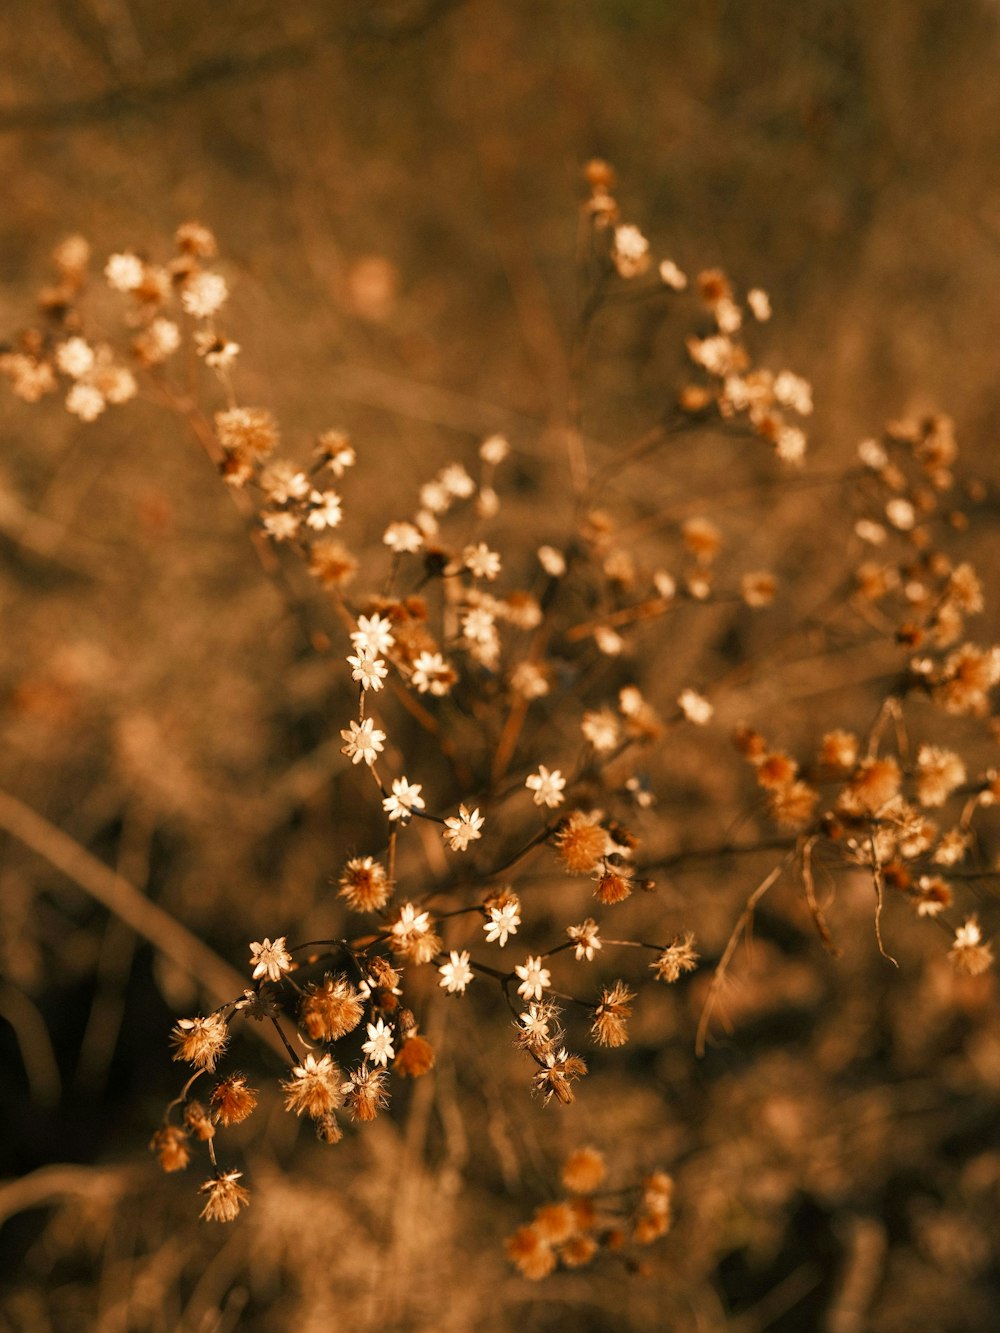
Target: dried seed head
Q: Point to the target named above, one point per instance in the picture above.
(330, 1009)
(225, 1197)
(232, 1101)
(171, 1147)
(583, 1171)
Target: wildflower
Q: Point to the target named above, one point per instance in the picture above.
(281, 524)
(402, 538)
(609, 1026)
(872, 785)
(197, 1121)
(695, 708)
(968, 953)
(585, 939)
(494, 450)
(432, 674)
(368, 670)
(481, 562)
(530, 1253)
(416, 1054)
(200, 1041)
(313, 1087)
(412, 935)
(247, 430)
(225, 1197)
(374, 633)
(932, 895)
(157, 342)
(760, 304)
(124, 272)
(631, 251)
(535, 1023)
(600, 728)
(560, 1069)
(609, 641)
(939, 773)
(232, 1101)
(85, 402)
(270, 960)
(758, 589)
(534, 978)
(336, 451)
(456, 481)
(405, 798)
(218, 353)
(365, 1093)
(204, 294)
(839, 749)
(583, 1171)
(671, 276)
(552, 561)
(679, 957)
(325, 511)
(364, 742)
(379, 1044)
(332, 563)
(504, 919)
(614, 884)
(463, 828)
(330, 1010)
(171, 1147)
(547, 787)
(365, 885)
(456, 972)
(193, 238)
(581, 842)
(75, 357)
(529, 681)
(478, 625)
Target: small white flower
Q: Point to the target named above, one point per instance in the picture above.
(585, 938)
(404, 800)
(375, 633)
(547, 787)
(432, 674)
(671, 276)
(534, 978)
(364, 742)
(481, 561)
(336, 451)
(760, 304)
(631, 251)
(872, 455)
(503, 922)
(270, 960)
(456, 973)
(85, 402)
(282, 482)
(370, 671)
(552, 561)
(325, 511)
(124, 272)
(478, 625)
(793, 391)
(695, 707)
(75, 357)
(600, 728)
(379, 1047)
(204, 294)
(280, 524)
(463, 828)
(535, 1023)
(402, 538)
(456, 481)
(410, 925)
(494, 450)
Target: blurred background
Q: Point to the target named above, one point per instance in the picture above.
(396, 189)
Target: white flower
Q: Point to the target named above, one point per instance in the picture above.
(535, 1022)
(494, 450)
(456, 481)
(75, 357)
(631, 251)
(368, 669)
(791, 445)
(434, 497)
(85, 402)
(872, 455)
(325, 512)
(462, 829)
(282, 482)
(410, 925)
(695, 707)
(270, 960)
(379, 1045)
(548, 787)
(124, 272)
(456, 973)
(759, 303)
(483, 563)
(793, 391)
(585, 938)
(373, 632)
(204, 294)
(671, 276)
(478, 625)
(600, 728)
(402, 537)
(364, 742)
(552, 561)
(503, 922)
(432, 674)
(534, 978)
(969, 935)
(404, 800)
(336, 451)
(280, 524)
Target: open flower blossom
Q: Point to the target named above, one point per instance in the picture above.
(547, 787)
(370, 671)
(481, 562)
(325, 511)
(379, 1047)
(463, 828)
(200, 1041)
(403, 538)
(404, 799)
(364, 742)
(503, 922)
(534, 978)
(270, 960)
(456, 972)
(585, 939)
(432, 674)
(374, 633)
